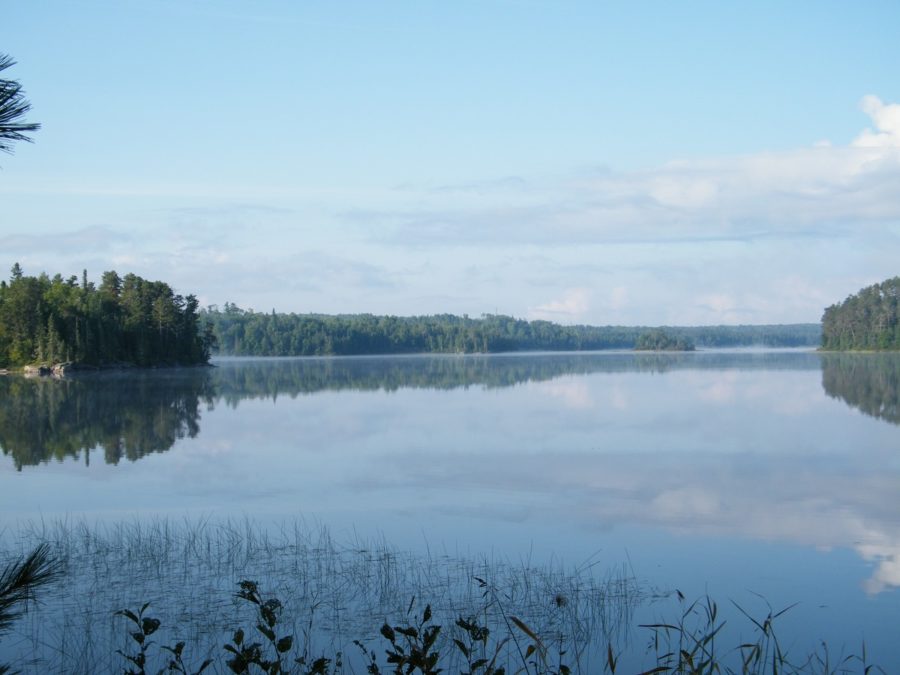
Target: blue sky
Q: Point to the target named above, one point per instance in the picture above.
(634, 163)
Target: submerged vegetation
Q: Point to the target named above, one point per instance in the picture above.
(868, 320)
(159, 597)
(128, 319)
(247, 333)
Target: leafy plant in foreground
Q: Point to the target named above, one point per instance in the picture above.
(246, 655)
(688, 645)
(412, 647)
(146, 626)
(475, 648)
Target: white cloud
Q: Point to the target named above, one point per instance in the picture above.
(824, 190)
(887, 124)
(574, 303)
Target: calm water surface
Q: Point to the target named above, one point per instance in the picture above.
(733, 473)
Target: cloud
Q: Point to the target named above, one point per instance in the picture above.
(822, 191)
(575, 302)
(887, 124)
(84, 239)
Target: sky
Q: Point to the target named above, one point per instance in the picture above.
(583, 162)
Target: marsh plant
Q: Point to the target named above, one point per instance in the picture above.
(692, 644)
(19, 583)
(411, 646)
(331, 594)
(689, 645)
(162, 597)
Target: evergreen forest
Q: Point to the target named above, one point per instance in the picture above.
(126, 320)
(659, 340)
(242, 332)
(867, 320)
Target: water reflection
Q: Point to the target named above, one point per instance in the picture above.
(129, 415)
(237, 379)
(124, 415)
(868, 382)
(721, 444)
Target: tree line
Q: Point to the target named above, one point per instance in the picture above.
(867, 320)
(125, 320)
(242, 332)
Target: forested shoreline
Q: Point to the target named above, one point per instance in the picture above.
(242, 332)
(867, 320)
(126, 320)
(133, 321)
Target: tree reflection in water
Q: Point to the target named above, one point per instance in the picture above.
(130, 414)
(124, 414)
(867, 382)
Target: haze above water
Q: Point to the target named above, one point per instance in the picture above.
(731, 473)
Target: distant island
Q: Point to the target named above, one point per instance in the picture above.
(242, 332)
(661, 341)
(125, 321)
(866, 321)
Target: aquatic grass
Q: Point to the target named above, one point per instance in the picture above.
(692, 644)
(494, 616)
(685, 646)
(332, 592)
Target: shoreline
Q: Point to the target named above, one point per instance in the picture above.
(68, 368)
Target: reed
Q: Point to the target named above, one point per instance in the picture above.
(162, 596)
(332, 593)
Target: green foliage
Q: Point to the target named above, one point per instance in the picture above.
(19, 583)
(247, 333)
(479, 659)
(868, 320)
(661, 341)
(13, 108)
(144, 627)
(246, 654)
(412, 647)
(126, 320)
(689, 645)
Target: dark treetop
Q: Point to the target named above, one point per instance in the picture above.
(126, 320)
(867, 320)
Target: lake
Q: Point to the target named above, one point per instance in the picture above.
(752, 476)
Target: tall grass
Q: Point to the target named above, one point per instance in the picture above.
(333, 593)
(144, 596)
